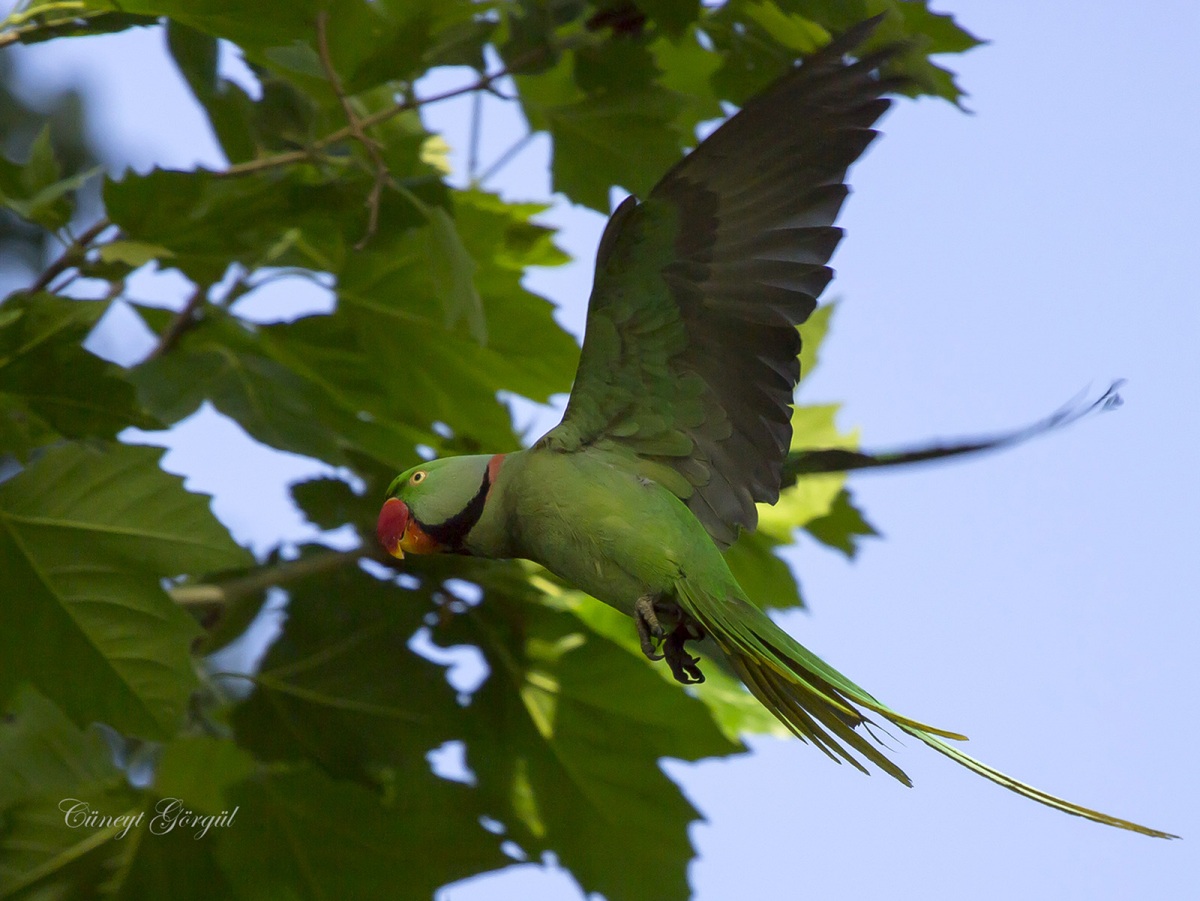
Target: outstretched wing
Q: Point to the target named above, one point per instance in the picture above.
(689, 361)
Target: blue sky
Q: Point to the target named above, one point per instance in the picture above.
(1042, 600)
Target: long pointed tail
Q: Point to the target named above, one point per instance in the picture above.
(821, 706)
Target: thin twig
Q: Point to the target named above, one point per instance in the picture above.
(356, 130)
(506, 157)
(250, 167)
(184, 320)
(21, 25)
(800, 463)
(72, 256)
(473, 141)
(11, 37)
(264, 578)
(483, 83)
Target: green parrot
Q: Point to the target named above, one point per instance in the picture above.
(679, 420)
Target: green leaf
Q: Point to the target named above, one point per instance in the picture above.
(925, 32)
(751, 57)
(69, 19)
(814, 495)
(229, 110)
(673, 15)
(812, 336)
(941, 32)
(566, 735)
(22, 430)
(341, 688)
(49, 384)
(207, 222)
(41, 169)
(733, 709)
(615, 67)
(36, 190)
(314, 837)
(199, 770)
(795, 33)
(328, 503)
(389, 298)
(50, 767)
(528, 40)
(59, 786)
(132, 253)
(767, 580)
(453, 271)
(304, 386)
(44, 753)
(224, 361)
(174, 863)
(758, 39)
(842, 526)
(39, 851)
(369, 43)
(553, 87)
(414, 35)
(687, 69)
(273, 22)
(608, 139)
(297, 57)
(86, 536)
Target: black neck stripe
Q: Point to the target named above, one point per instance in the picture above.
(453, 532)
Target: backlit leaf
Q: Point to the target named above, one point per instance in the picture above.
(86, 535)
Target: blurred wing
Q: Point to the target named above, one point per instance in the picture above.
(689, 361)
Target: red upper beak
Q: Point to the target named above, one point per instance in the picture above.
(393, 521)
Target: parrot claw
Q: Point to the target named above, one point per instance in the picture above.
(684, 667)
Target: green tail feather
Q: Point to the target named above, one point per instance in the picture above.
(1035, 794)
(820, 705)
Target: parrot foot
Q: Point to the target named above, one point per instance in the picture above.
(684, 667)
(648, 629)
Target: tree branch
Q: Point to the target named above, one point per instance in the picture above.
(20, 23)
(184, 320)
(263, 578)
(357, 131)
(473, 141)
(72, 256)
(838, 459)
(483, 83)
(506, 157)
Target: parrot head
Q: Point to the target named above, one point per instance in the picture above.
(431, 507)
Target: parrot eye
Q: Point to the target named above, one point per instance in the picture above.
(418, 477)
